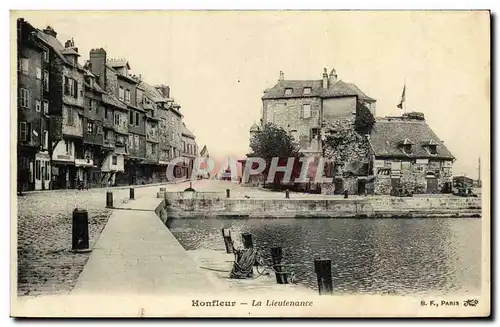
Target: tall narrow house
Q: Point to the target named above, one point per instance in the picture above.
(33, 81)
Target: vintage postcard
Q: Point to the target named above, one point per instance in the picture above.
(250, 163)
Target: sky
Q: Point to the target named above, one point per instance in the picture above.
(219, 63)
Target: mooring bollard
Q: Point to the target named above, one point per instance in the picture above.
(109, 199)
(228, 241)
(228, 193)
(346, 194)
(323, 270)
(80, 231)
(287, 194)
(276, 256)
(132, 193)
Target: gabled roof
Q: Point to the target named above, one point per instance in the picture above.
(56, 46)
(337, 89)
(186, 132)
(388, 134)
(152, 93)
(254, 128)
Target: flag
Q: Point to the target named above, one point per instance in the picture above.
(400, 105)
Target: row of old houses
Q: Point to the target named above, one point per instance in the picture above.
(394, 155)
(95, 124)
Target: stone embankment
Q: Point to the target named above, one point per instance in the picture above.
(216, 204)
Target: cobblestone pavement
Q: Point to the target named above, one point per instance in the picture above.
(46, 264)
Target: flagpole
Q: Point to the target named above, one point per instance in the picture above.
(404, 102)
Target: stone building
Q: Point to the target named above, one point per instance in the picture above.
(147, 100)
(301, 106)
(33, 82)
(67, 102)
(408, 154)
(93, 132)
(189, 150)
(175, 137)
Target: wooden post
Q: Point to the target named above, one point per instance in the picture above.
(277, 255)
(323, 270)
(228, 193)
(80, 231)
(228, 241)
(287, 194)
(132, 193)
(109, 199)
(247, 240)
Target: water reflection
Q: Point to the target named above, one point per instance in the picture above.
(406, 256)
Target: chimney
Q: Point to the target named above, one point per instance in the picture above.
(282, 76)
(333, 77)
(50, 31)
(325, 79)
(98, 65)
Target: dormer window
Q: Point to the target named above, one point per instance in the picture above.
(288, 91)
(405, 146)
(431, 147)
(307, 90)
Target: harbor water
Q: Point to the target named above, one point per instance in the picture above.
(369, 256)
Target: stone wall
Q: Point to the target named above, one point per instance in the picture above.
(286, 113)
(215, 204)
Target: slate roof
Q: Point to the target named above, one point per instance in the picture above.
(185, 131)
(111, 100)
(153, 93)
(57, 46)
(388, 134)
(337, 89)
(254, 128)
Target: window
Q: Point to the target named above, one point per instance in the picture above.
(23, 131)
(127, 95)
(307, 90)
(114, 160)
(406, 148)
(383, 171)
(45, 80)
(45, 107)
(288, 91)
(71, 117)
(90, 127)
(69, 148)
(315, 133)
(136, 119)
(38, 73)
(90, 104)
(153, 148)
(106, 113)
(306, 111)
(163, 122)
(184, 146)
(131, 141)
(46, 56)
(131, 117)
(136, 141)
(70, 86)
(121, 94)
(45, 139)
(25, 63)
(432, 149)
(38, 106)
(117, 118)
(24, 97)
